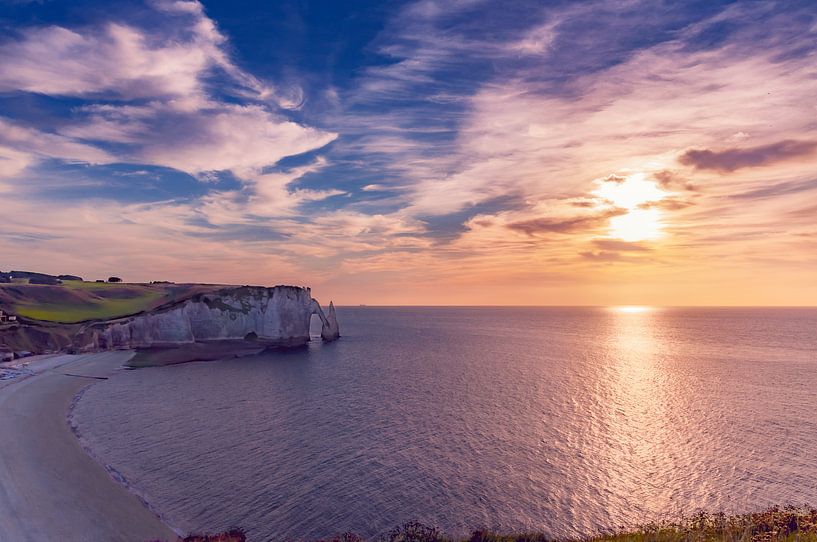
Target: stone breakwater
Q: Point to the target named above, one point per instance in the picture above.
(278, 316)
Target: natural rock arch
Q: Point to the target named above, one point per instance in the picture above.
(329, 327)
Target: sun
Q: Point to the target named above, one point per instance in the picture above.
(630, 192)
(637, 225)
(633, 193)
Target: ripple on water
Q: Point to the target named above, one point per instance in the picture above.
(566, 421)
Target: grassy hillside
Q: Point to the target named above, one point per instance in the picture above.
(77, 301)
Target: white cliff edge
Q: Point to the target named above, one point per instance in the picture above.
(278, 316)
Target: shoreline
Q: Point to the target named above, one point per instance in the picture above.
(52, 485)
(115, 476)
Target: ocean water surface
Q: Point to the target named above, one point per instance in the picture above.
(562, 420)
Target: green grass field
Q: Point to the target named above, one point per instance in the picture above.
(68, 314)
(76, 301)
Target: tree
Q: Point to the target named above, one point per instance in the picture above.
(114, 279)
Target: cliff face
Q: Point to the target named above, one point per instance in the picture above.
(278, 316)
(36, 338)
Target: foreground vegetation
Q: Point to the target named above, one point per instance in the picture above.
(788, 524)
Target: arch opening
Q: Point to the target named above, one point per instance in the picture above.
(315, 327)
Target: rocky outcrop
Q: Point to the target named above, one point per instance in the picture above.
(330, 330)
(278, 316)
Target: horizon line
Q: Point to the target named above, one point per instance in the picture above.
(365, 305)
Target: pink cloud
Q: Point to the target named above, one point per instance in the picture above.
(117, 60)
(242, 139)
(22, 147)
(120, 61)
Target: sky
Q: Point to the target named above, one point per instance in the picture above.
(451, 152)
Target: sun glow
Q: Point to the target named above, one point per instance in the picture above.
(637, 225)
(633, 309)
(630, 192)
(633, 193)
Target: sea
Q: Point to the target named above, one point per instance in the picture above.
(566, 421)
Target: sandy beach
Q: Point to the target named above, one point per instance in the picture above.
(50, 489)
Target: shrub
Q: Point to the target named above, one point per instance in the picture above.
(415, 532)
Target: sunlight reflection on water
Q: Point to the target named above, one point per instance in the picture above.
(630, 309)
(562, 420)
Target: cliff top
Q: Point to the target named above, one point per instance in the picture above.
(69, 301)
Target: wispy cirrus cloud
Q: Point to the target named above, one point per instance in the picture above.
(182, 125)
(211, 136)
(22, 147)
(116, 60)
(50, 145)
(12, 163)
(778, 189)
(124, 62)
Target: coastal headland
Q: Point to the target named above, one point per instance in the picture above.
(165, 322)
(60, 334)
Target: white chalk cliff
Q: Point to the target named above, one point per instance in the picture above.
(278, 316)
